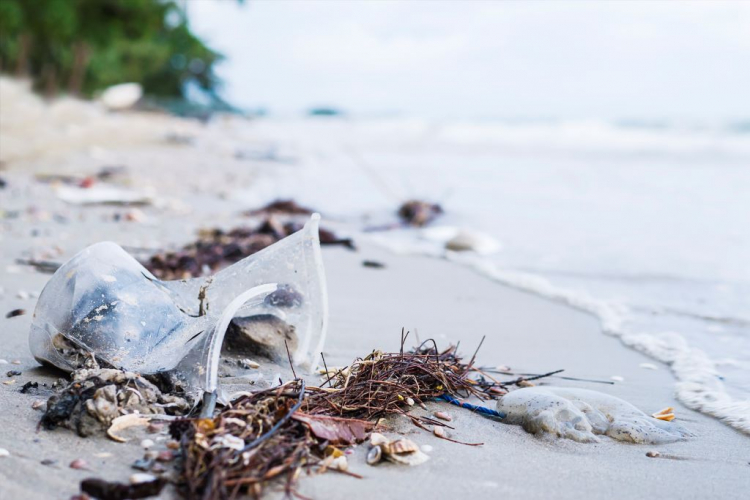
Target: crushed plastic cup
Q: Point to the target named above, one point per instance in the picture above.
(105, 303)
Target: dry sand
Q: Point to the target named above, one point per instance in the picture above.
(368, 309)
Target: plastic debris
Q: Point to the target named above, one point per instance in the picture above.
(104, 307)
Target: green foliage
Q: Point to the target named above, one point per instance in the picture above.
(85, 45)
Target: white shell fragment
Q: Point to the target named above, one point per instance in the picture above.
(124, 422)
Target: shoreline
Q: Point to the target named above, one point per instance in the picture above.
(368, 307)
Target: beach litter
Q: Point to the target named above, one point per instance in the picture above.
(103, 308)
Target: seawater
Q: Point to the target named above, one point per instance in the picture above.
(645, 226)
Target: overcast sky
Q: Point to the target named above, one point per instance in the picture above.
(485, 59)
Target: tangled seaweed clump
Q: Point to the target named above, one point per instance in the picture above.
(216, 249)
(279, 433)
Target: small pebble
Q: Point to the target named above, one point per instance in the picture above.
(22, 294)
(426, 448)
(249, 363)
(439, 432)
(151, 455)
(443, 416)
(525, 383)
(173, 445)
(9, 382)
(103, 455)
(648, 366)
(410, 401)
(143, 464)
(4, 453)
(79, 463)
(147, 443)
(38, 404)
(141, 478)
(48, 461)
(13, 373)
(652, 454)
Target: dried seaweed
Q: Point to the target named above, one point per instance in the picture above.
(105, 490)
(279, 433)
(215, 248)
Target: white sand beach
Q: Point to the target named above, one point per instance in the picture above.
(193, 178)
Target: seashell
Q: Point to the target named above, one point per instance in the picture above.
(400, 446)
(374, 455)
(413, 458)
(123, 422)
(525, 383)
(377, 439)
(665, 414)
(443, 416)
(653, 454)
(140, 477)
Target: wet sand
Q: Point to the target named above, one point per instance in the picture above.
(434, 298)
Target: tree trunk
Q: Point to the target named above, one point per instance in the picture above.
(81, 55)
(22, 61)
(49, 77)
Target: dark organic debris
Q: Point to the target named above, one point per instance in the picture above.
(29, 386)
(215, 248)
(281, 207)
(278, 433)
(105, 490)
(95, 397)
(373, 264)
(12, 373)
(15, 312)
(419, 213)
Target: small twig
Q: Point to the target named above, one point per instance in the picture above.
(528, 379)
(288, 354)
(326, 368)
(475, 352)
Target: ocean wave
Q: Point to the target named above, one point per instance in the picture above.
(699, 385)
